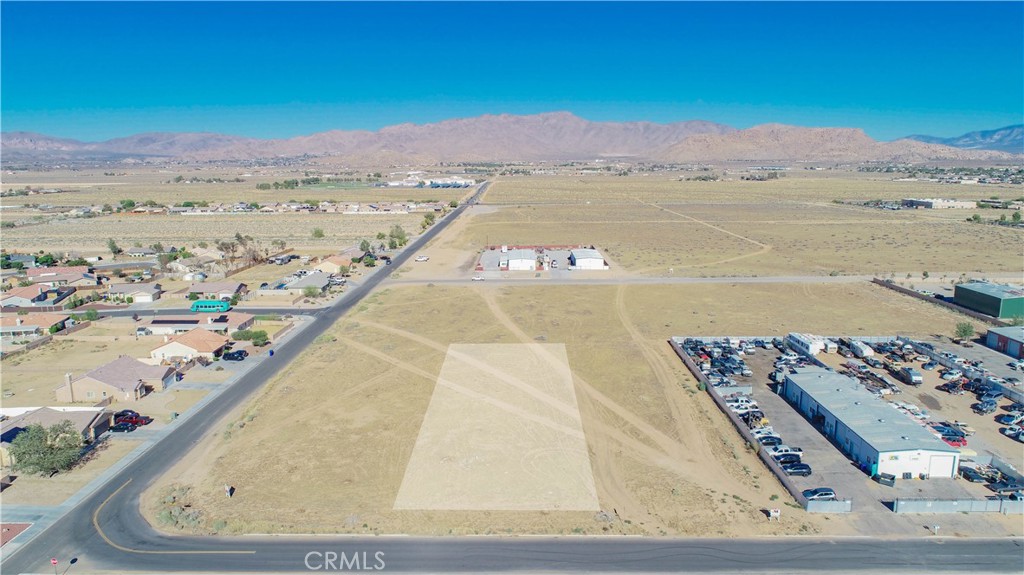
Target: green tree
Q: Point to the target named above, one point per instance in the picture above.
(364, 246)
(399, 235)
(318, 233)
(381, 235)
(369, 262)
(112, 246)
(262, 186)
(924, 275)
(193, 296)
(91, 315)
(54, 328)
(344, 270)
(392, 243)
(976, 218)
(46, 260)
(1016, 217)
(310, 291)
(453, 204)
(964, 330)
(127, 204)
(257, 337)
(158, 247)
(47, 450)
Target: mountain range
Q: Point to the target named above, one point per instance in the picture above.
(557, 136)
(1009, 139)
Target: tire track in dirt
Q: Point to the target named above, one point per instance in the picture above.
(404, 365)
(686, 416)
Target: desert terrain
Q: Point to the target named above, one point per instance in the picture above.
(342, 443)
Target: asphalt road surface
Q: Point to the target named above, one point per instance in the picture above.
(107, 533)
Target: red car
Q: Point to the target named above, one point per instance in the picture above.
(137, 420)
(955, 441)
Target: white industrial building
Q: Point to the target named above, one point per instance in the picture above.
(518, 260)
(587, 259)
(870, 431)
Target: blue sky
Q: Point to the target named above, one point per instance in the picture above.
(94, 71)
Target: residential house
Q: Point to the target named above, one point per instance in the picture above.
(317, 280)
(27, 296)
(192, 344)
(74, 276)
(90, 422)
(225, 323)
(26, 260)
(333, 264)
(139, 292)
(124, 379)
(141, 252)
(217, 290)
(31, 324)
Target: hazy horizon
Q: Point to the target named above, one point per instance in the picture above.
(279, 70)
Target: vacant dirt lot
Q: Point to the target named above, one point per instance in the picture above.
(662, 456)
(295, 229)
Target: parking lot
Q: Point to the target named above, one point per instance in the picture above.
(832, 468)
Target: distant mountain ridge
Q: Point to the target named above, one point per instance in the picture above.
(556, 136)
(1009, 139)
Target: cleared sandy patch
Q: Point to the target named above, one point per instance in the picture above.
(502, 432)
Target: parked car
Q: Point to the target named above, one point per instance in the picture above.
(237, 355)
(973, 475)
(781, 449)
(1012, 418)
(1004, 487)
(770, 440)
(786, 458)
(125, 413)
(123, 427)
(990, 396)
(478, 278)
(762, 431)
(984, 408)
(929, 365)
(801, 469)
(955, 440)
(820, 494)
(422, 259)
(967, 430)
(136, 420)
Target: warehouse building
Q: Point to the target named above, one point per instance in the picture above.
(1009, 340)
(587, 259)
(877, 437)
(518, 260)
(996, 300)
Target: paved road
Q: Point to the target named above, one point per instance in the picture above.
(106, 531)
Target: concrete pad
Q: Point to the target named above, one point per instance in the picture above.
(502, 432)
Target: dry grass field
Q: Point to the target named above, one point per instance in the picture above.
(296, 229)
(662, 456)
(785, 227)
(795, 186)
(93, 188)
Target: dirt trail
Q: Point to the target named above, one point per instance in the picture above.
(765, 248)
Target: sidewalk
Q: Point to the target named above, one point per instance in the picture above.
(42, 517)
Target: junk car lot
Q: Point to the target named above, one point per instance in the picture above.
(746, 373)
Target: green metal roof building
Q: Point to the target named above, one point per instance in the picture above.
(997, 300)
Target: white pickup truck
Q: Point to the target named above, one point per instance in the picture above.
(784, 450)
